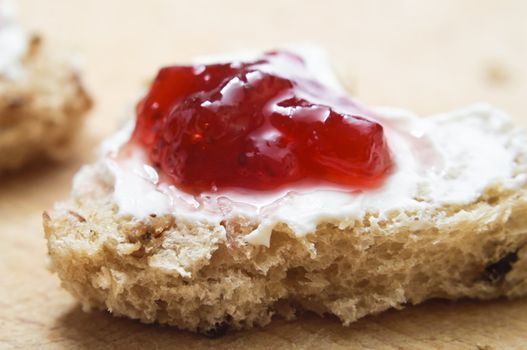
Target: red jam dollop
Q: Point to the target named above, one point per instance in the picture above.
(259, 125)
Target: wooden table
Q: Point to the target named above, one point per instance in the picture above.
(428, 56)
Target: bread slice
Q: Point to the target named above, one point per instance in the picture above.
(207, 277)
(41, 110)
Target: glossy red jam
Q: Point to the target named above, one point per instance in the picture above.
(257, 125)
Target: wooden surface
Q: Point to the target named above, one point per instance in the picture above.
(428, 56)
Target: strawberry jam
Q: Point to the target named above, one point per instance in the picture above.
(258, 125)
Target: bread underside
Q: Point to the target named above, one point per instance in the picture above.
(40, 111)
(206, 278)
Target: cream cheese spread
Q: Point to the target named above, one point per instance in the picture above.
(13, 44)
(450, 160)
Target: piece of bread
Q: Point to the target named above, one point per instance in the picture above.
(41, 110)
(208, 278)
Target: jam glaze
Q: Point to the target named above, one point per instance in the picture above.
(259, 126)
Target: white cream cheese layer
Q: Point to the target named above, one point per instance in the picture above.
(443, 159)
(473, 149)
(13, 44)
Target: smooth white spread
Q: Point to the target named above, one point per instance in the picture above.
(13, 44)
(450, 159)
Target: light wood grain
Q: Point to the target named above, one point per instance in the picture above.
(428, 56)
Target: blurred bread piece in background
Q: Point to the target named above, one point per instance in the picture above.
(42, 98)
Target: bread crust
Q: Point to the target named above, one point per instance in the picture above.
(206, 278)
(41, 111)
